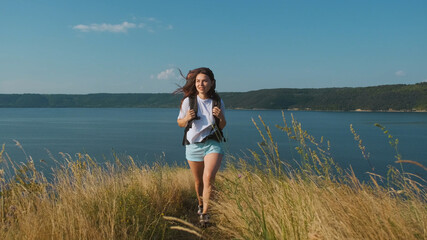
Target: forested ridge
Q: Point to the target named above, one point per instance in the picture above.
(399, 97)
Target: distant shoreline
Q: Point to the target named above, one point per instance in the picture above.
(242, 109)
(358, 110)
(385, 98)
(322, 110)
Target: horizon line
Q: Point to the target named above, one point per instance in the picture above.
(29, 93)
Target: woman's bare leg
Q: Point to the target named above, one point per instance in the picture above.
(197, 171)
(212, 163)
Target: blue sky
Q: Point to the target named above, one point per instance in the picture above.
(79, 47)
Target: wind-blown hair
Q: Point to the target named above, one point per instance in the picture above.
(189, 89)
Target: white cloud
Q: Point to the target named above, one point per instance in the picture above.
(168, 74)
(400, 73)
(105, 27)
(150, 25)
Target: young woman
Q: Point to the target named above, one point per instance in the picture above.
(202, 114)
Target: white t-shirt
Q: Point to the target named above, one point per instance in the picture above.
(202, 127)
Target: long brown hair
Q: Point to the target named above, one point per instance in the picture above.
(189, 89)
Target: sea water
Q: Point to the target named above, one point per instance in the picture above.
(150, 134)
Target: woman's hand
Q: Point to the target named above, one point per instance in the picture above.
(190, 115)
(216, 111)
(184, 121)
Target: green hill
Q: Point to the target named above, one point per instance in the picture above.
(387, 97)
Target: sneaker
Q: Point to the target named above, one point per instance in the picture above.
(200, 209)
(204, 219)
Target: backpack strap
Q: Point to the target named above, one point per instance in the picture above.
(193, 106)
(216, 102)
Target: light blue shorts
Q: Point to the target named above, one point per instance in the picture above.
(196, 152)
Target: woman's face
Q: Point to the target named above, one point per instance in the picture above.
(203, 83)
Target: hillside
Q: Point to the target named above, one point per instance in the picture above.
(386, 97)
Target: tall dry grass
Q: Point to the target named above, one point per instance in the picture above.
(304, 196)
(315, 198)
(87, 201)
(261, 206)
